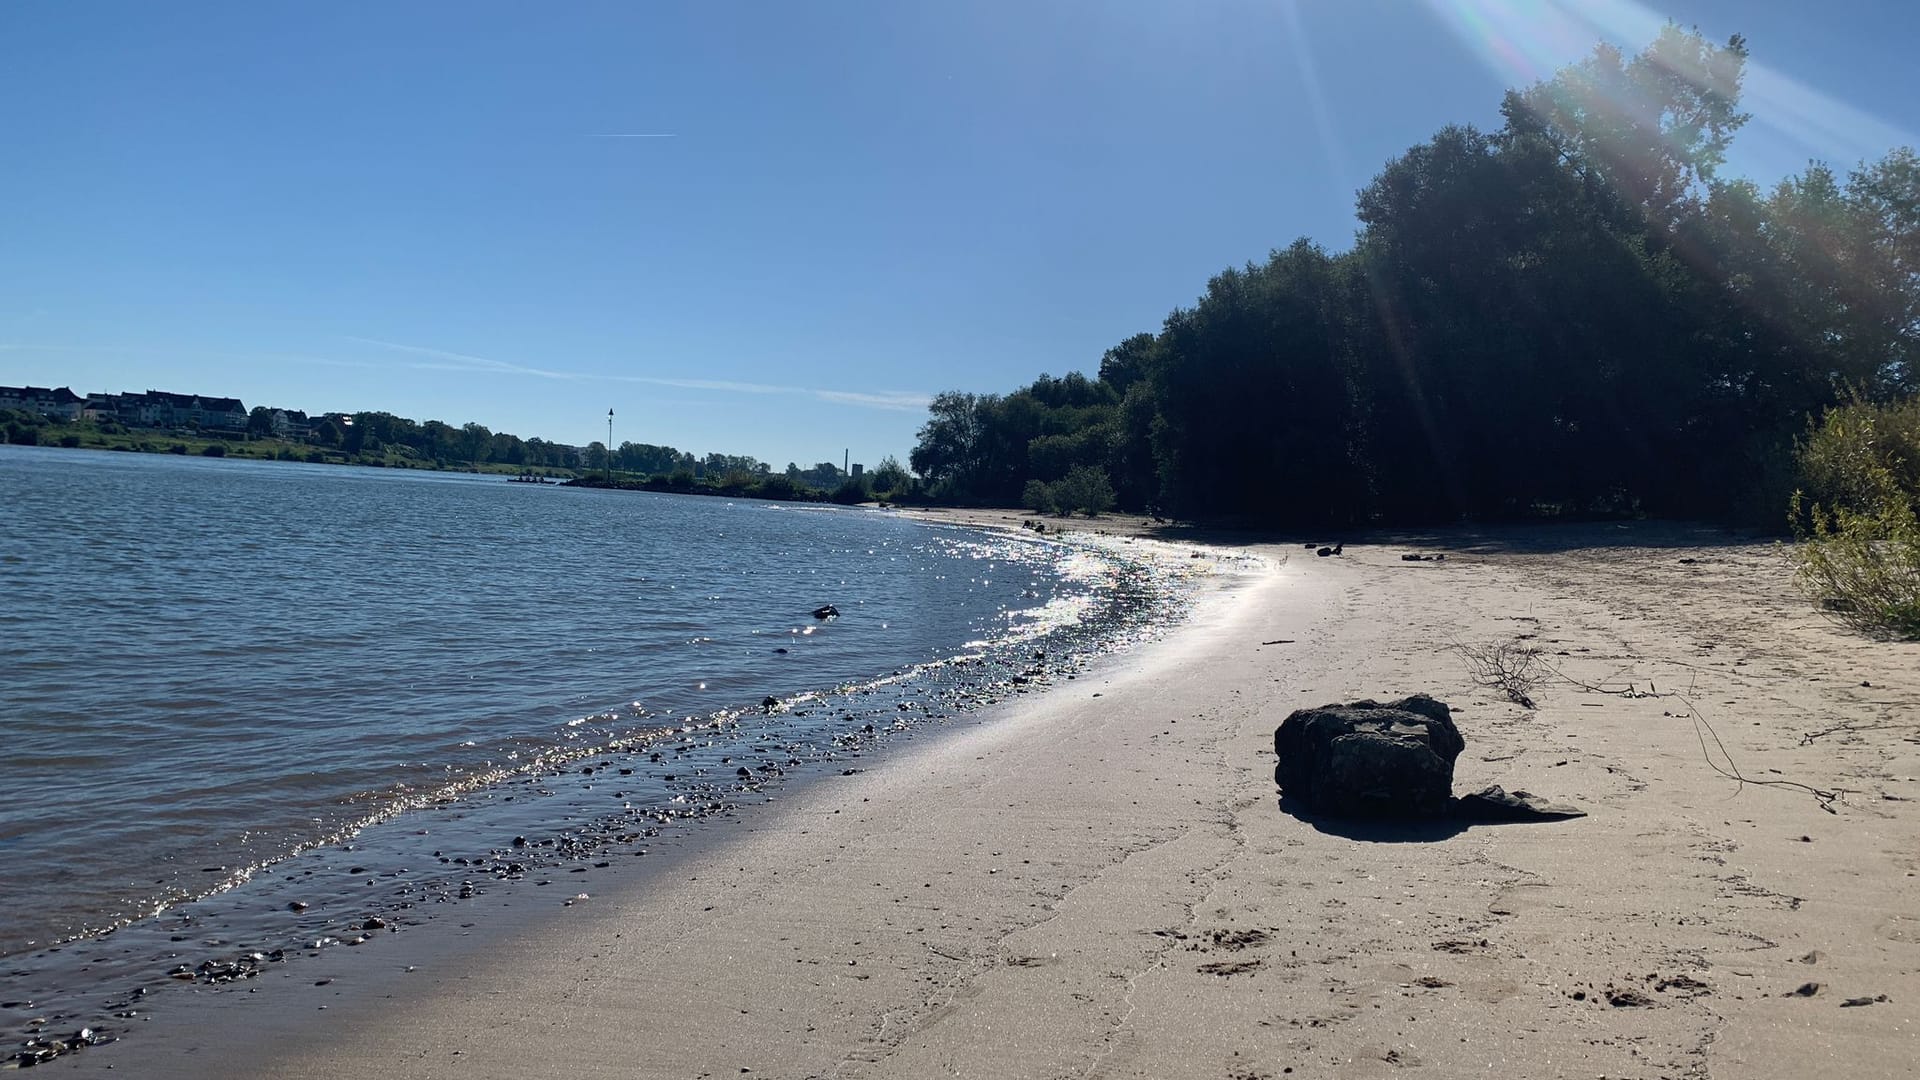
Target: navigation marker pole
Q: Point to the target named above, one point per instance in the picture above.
(609, 447)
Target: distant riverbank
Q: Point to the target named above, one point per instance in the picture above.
(87, 436)
(80, 435)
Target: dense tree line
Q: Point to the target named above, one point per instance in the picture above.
(372, 434)
(1574, 313)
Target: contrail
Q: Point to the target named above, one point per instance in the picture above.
(443, 360)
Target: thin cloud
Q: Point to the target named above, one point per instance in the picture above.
(453, 361)
(907, 400)
(444, 360)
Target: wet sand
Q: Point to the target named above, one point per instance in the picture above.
(1096, 880)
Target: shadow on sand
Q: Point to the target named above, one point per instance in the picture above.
(1371, 831)
(1519, 539)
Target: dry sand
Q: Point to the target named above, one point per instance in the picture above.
(1097, 881)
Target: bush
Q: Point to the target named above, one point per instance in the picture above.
(1085, 489)
(213, 450)
(1859, 556)
(1038, 497)
(69, 441)
(177, 448)
(1843, 457)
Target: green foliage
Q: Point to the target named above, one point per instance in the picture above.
(1860, 454)
(1571, 315)
(20, 427)
(1085, 489)
(213, 450)
(779, 487)
(1859, 551)
(1038, 497)
(889, 476)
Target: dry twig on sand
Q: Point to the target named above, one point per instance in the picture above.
(1631, 690)
(1511, 667)
(1826, 798)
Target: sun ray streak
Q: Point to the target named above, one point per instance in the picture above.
(1330, 141)
(1526, 42)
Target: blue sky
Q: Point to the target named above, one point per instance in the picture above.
(416, 207)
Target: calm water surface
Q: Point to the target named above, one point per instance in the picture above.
(208, 664)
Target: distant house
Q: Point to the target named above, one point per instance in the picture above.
(99, 407)
(159, 408)
(140, 410)
(342, 422)
(291, 424)
(59, 404)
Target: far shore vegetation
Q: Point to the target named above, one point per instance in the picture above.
(382, 440)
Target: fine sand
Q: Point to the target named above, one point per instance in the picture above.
(1096, 879)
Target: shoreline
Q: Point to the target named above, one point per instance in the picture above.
(274, 918)
(1095, 880)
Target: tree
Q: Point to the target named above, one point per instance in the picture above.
(260, 421)
(1548, 318)
(474, 442)
(1652, 130)
(888, 476)
(1129, 362)
(950, 449)
(1087, 490)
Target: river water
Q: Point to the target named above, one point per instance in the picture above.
(206, 665)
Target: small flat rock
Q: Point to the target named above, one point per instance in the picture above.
(1498, 804)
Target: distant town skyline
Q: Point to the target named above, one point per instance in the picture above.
(224, 415)
(750, 229)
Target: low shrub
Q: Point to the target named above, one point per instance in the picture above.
(1038, 497)
(1085, 489)
(1859, 551)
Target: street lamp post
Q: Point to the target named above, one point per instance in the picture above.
(609, 447)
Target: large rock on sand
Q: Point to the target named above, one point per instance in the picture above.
(1370, 760)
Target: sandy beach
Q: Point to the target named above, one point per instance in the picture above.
(1096, 880)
